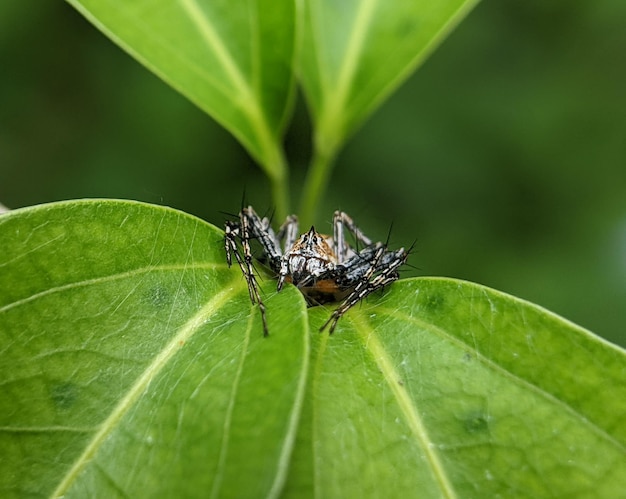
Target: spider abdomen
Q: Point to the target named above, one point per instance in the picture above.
(324, 291)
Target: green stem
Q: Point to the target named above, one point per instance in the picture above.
(315, 183)
(280, 197)
(275, 167)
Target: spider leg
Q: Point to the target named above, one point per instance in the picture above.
(355, 269)
(342, 221)
(231, 232)
(234, 231)
(382, 271)
(289, 233)
(259, 228)
(251, 226)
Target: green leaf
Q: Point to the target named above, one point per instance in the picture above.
(443, 388)
(232, 59)
(131, 364)
(355, 53)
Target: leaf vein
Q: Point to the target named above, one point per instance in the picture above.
(406, 404)
(214, 41)
(110, 278)
(228, 417)
(394, 313)
(141, 384)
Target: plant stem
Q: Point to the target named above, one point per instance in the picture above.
(315, 183)
(275, 167)
(280, 197)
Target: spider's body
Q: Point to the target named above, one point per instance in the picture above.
(324, 268)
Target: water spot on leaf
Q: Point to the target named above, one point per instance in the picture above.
(407, 28)
(476, 422)
(435, 302)
(64, 395)
(159, 296)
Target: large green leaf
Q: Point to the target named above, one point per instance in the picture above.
(232, 59)
(443, 388)
(130, 364)
(133, 365)
(356, 52)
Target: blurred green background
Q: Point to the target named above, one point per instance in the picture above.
(503, 157)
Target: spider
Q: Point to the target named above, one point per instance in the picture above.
(323, 268)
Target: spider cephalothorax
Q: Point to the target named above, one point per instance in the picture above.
(324, 268)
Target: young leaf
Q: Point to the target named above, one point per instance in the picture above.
(232, 59)
(354, 54)
(131, 364)
(444, 388)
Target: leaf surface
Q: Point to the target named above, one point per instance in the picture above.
(131, 364)
(356, 52)
(232, 59)
(443, 388)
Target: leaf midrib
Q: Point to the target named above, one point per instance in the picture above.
(247, 102)
(139, 386)
(244, 95)
(335, 94)
(214, 42)
(365, 103)
(407, 406)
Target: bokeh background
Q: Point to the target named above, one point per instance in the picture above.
(503, 157)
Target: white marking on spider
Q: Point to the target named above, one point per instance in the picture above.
(323, 268)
